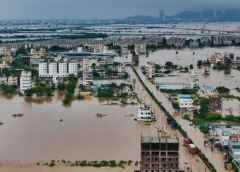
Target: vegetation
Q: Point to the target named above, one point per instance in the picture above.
(70, 87)
(39, 91)
(9, 90)
(61, 86)
(80, 97)
(223, 90)
(181, 91)
(96, 164)
(17, 115)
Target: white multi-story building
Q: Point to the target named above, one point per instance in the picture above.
(25, 80)
(185, 102)
(87, 78)
(61, 69)
(194, 74)
(144, 112)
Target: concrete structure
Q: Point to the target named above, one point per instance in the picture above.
(12, 80)
(214, 58)
(194, 74)
(161, 15)
(185, 102)
(41, 52)
(25, 80)
(85, 64)
(159, 154)
(35, 60)
(150, 70)
(140, 48)
(87, 78)
(26, 60)
(61, 69)
(215, 103)
(227, 60)
(144, 112)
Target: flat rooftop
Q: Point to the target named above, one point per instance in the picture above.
(156, 139)
(183, 96)
(208, 88)
(172, 83)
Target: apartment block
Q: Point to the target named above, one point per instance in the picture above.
(62, 69)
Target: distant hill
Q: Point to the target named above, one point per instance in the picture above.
(209, 15)
(227, 15)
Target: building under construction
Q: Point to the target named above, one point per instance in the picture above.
(159, 154)
(215, 103)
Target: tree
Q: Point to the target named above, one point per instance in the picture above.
(168, 64)
(186, 69)
(93, 66)
(199, 63)
(157, 67)
(61, 86)
(191, 66)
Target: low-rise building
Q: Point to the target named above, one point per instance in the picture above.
(215, 103)
(140, 48)
(25, 80)
(209, 90)
(35, 60)
(121, 68)
(144, 112)
(12, 80)
(41, 52)
(185, 102)
(87, 78)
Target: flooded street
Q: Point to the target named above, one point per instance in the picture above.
(216, 78)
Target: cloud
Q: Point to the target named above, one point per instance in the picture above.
(89, 9)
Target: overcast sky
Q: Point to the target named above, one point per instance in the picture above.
(92, 9)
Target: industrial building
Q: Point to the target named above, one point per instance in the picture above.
(61, 69)
(159, 154)
(185, 102)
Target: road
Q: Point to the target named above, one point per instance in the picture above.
(186, 159)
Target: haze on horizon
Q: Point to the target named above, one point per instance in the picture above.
(103, 9)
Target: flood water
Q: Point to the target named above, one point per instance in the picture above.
(39, 134)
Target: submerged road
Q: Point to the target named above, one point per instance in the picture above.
(186, 158)
(215, 156)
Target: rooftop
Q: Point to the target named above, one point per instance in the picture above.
(208, 88)
(156, 139)
(171, 83)
(186, 96)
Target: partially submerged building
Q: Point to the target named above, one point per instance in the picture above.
(159, 154)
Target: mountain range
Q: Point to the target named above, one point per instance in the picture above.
(205, 15)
